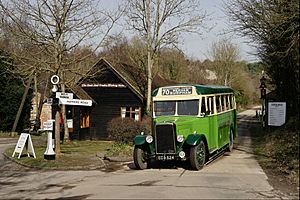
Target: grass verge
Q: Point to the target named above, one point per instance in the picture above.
(74, 154)
(278, 148)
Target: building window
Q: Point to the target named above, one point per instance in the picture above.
(84, 119)
(131, 112)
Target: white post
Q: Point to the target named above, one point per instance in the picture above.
(49, 153)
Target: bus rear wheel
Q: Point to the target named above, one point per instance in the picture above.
(198, 156)
(140, 157)
(230, 145)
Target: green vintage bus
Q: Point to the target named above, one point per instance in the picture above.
(190, 122)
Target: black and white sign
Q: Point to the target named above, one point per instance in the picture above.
(276, 113)
(48, 125)
(177, 91)
(24, 139)
(70, 123)
(64, 95)
(75, 102)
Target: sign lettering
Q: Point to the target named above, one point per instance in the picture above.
(64, 95)
(176, 91)
(75, 102)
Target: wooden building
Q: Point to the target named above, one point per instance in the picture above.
(112, 96)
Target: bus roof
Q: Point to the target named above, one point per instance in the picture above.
(201, 89)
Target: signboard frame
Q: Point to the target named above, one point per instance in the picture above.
(24, 140)
(276, 113)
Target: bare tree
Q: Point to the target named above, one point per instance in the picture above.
(160, 23)
(47, 34)
(225, 55)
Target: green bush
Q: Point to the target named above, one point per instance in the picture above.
(125, 129)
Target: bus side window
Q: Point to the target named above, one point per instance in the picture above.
(212, 109)
(203, 107)
(224, 100)
(209, 105)
(230, 101)
(218, 104)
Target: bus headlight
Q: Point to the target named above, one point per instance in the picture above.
(180, 138)
(181, 154)
(149, 139)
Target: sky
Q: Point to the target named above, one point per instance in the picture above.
(197, 47)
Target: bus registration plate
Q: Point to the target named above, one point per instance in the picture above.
(165, 157)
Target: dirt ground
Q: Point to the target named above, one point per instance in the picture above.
(282, 182)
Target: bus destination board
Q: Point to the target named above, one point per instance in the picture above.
(176, 91)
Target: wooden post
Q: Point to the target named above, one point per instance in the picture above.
(22, 104)
(40, 107)
(57, 134)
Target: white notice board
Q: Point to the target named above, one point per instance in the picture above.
(276, 113)
(24, 139)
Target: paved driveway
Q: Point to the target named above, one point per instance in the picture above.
(231, 176)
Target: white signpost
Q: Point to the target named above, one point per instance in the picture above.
(276, 113)
(49, 153)
(24, 139)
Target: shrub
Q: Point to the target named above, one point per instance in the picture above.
(125, 129)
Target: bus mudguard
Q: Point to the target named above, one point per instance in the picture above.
(139, 139)
(193, 139)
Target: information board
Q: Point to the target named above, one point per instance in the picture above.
(276, 113)
(24, 140)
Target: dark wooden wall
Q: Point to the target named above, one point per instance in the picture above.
(109, 102)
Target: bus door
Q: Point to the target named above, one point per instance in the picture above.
(223, 121)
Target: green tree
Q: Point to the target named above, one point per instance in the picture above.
(11, 92)
(273, 26)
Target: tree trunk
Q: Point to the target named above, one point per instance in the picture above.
(64, 116)
(22, 104)
(149, 83)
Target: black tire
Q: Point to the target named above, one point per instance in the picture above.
(198, 156)
(230, 145)
(140, 157)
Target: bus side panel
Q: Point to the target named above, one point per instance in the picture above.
(201, 126)
(234, 118)
(213, 133)
(224, 122)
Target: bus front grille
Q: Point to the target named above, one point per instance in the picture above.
(165, 139)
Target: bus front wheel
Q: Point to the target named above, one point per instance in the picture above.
(198, 156)
(140, 158)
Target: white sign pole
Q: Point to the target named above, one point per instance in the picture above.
(24, 139)
(49, 153)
